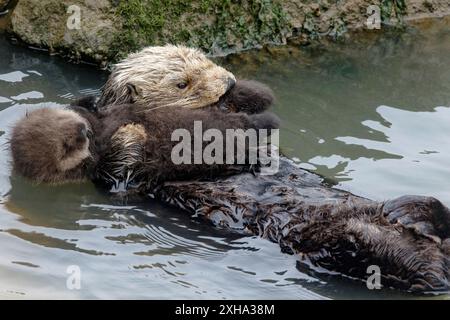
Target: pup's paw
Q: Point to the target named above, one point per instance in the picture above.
(248, 96)
(265, 120)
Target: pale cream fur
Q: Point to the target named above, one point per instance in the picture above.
(78, 156)
(156, 73)
(75, 158)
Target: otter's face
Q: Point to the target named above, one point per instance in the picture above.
(167, 76)
(51, 146)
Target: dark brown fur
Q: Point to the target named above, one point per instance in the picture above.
(408, 238)
(44, 138)
(153, 163)
(247, 96)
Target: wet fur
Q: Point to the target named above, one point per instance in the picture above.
(155, 74)
(136, 143)
(408, 238)
(52, 146)
(130, 143)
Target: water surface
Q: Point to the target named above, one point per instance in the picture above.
(374, 118)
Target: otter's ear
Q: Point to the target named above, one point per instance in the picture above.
(134, 92)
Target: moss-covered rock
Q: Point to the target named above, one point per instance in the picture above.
(52, 24)
(217, 26)
(111, 29)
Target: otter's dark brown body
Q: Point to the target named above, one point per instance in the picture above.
(407, 238)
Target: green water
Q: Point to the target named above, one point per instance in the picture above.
(373, 117)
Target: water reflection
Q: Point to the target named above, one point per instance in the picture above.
(418, 144)
(141, 250)
(333, 104)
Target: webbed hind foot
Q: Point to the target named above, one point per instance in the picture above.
(425, 215)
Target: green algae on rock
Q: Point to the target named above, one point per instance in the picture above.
(216, 26)
(110, 29)
(44, 24)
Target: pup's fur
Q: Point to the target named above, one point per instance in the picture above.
(157, 78)
(132, 143)
(52, 146)
(247, 96)
(136, 144)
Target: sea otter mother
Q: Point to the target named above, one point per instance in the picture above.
(407, 238)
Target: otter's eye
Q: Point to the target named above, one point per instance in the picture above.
(182, 85)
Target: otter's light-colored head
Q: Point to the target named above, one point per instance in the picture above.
(51, 146)
(167, 76)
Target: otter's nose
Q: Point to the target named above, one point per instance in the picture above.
(230, 83)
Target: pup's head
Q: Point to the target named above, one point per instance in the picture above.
(52, 146)
(167, 76)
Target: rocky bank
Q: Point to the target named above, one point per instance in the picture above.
(103, 31)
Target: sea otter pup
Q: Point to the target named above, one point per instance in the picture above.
(136, 146)
(53, 145)
(128, 143)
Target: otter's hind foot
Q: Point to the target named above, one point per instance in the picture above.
(425, 215)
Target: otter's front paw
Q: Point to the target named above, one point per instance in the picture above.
(248, 96)
(265, 120)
